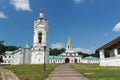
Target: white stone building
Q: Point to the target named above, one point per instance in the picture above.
(112, 51)
(39, 53)
(69, 56)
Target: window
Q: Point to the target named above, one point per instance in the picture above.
(40, 37)
(119, 51)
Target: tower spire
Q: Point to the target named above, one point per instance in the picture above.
(69, 44)
(41, 15)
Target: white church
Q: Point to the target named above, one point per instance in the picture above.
(36, 54)
(39, 53)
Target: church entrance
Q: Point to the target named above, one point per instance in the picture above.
(67, 60)
(75, 60)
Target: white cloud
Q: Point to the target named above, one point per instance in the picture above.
(2, 15)
(57, 45)
(21, 4)
(78, 1)
(117, 27)
(83, 50)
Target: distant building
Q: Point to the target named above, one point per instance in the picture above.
(112, 50)
(69, 56)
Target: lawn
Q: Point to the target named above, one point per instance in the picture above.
(31, 72)
(95, 72)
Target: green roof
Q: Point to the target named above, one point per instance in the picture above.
(55, 57)
(91, 57)
(8, 52)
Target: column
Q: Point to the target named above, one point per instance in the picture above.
(102, 54)
(116, 52)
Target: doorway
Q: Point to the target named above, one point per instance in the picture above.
(67, 60)
(75, 60)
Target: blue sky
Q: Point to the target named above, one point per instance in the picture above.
(90, 23)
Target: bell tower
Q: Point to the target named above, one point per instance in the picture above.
(40, 31)
(40, 50)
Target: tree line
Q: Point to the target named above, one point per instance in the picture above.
(4, 48)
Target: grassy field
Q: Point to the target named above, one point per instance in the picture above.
(31, 72)
(95, 72)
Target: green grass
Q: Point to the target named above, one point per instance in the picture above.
(95, 72)
(31, 72)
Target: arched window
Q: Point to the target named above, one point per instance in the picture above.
(40, 37)
(68, 47)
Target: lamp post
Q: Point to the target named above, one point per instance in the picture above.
(44, 58)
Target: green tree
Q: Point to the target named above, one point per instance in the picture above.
(83, 54)
(2, 47)
(56, 52)
(11, 48)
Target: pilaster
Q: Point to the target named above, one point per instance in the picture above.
(102, 54)
(116, 52)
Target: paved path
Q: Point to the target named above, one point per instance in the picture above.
(7, 75)
(65, 72)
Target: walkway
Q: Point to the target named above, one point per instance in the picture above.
(65, 72)
(7, 75)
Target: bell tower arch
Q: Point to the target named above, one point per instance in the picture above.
(40, 37)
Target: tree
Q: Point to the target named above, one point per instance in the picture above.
(56, 52)
(2, 47)
(83, 54)
(11, 48)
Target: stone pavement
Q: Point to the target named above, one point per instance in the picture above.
(7, 75)
(65, 72)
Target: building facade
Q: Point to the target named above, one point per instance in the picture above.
(110, 53)
(69, 56)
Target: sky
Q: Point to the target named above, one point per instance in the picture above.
(89, 23)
